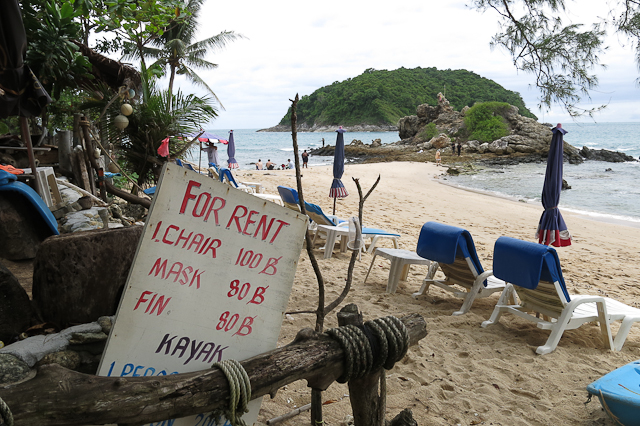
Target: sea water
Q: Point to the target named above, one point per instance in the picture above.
(602, 190)
(252, 146)
(595, 191)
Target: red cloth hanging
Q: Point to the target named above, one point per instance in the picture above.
(163, 150)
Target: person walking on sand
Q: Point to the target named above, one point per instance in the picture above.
(305, 159)
(453, 148)
(438, 158)
(459, 146)
(259, 164)
(270, 165)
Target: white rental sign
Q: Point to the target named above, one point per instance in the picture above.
(210, 281)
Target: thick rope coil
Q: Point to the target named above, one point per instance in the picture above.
(388, 335)
(240, 389)
(5, 413)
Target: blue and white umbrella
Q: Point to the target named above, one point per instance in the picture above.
(231, 150)
(337, 187)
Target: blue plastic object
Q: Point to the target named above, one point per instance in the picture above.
(619, 394)
(9, 183)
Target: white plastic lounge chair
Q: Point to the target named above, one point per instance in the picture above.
(332, 226)
(452, 250)
(533, 272)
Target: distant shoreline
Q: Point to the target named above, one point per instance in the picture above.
(303, 128)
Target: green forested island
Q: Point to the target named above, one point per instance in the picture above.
(382, 97)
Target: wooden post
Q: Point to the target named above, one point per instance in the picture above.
(82, 166)
(367, 404)
(85, 138)
(26, 138)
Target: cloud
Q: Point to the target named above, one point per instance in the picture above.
(298, 47)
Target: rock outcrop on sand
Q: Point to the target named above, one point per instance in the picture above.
(526, 137)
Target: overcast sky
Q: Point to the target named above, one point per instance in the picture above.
(297, 47)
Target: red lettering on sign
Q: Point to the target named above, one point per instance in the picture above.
(258, 296)
(271, 269)
(186, 239)
(156, 231)
(164, 238)
(265, 229)
(282, 223)
(159, 306)
(188, 195)
(206, 203)
(176, 268)
(245, 328)
(214, 210)
(213, 245)
(159, 267)
(249, 222)
(142, 299)
(236, 216)
(197, 239)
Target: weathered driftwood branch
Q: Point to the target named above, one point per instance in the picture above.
(57, 396)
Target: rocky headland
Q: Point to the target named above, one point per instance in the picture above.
(304, 127)
(527, 141)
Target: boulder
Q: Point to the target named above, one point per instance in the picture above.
(16, 312)
(356, 142)
(409, 126)
(375, 143)
(85, 271)
(22, 229)
(605, 155)
(12, 369)
(440, 141)
(472, 146)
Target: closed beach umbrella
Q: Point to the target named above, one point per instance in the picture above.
(337, 187)
(231, 150)
(552, 230)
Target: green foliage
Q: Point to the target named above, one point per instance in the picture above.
(161, 115)
(383, 97)
(560, 57)
(177, 49)
(428, 132)
(485, 123)
(51, 27)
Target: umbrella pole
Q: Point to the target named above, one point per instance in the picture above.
(200, 159)
(26, 138)
(334, 206)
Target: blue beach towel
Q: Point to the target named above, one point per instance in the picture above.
(441, 243)
(524, 263)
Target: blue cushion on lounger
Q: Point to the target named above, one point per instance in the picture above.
(440, 243)
(524, 263)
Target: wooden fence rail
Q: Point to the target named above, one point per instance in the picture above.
(57, 396)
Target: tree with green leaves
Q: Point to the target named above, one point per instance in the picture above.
(561, 57)
(177, 49)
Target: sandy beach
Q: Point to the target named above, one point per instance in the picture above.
(462, 373)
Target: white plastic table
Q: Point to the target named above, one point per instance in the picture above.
(401, 261)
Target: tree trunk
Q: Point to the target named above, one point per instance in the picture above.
(57, 396)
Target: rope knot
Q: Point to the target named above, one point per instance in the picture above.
(378, 343)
